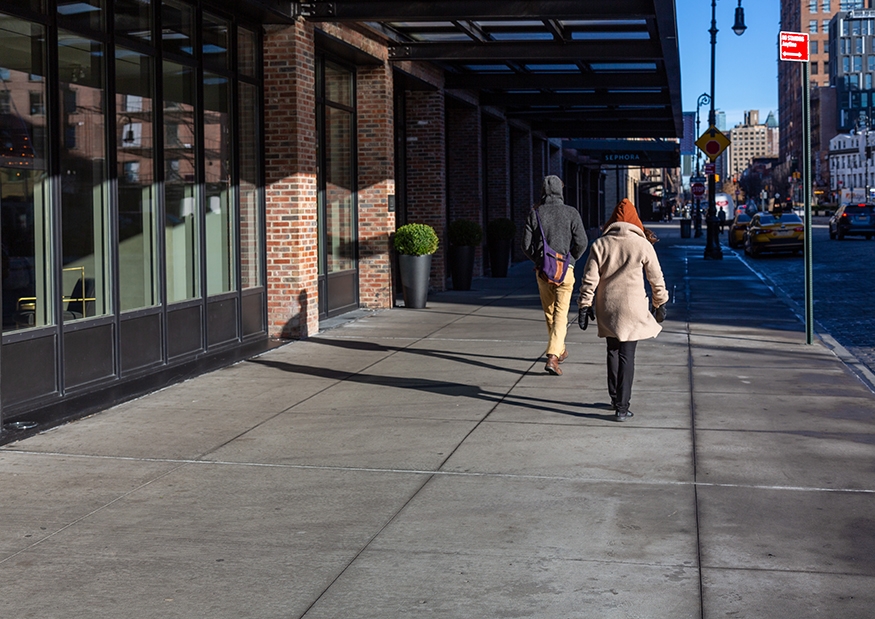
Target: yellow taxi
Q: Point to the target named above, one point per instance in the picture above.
(737, 228)
(774, 232)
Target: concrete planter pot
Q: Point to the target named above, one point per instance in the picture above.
(462, 266)
(415, 272)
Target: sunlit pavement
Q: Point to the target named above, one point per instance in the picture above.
(422, 463)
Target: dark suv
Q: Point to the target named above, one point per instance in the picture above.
(853, 219)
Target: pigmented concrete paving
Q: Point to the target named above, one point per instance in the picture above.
(419, 463)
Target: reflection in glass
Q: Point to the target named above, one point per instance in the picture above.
(338, 84)
(215, 40)
(250, 213)
(177, 27)
(138, 281)
(82, 14)
(339, 198)
(246, 59)
(133, 18)
(219, 206)
(180, 219)
(85, 233)
(27, 256)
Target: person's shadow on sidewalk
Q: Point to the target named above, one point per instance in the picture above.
(441, 387)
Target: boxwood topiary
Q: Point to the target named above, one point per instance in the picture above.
(416, 240)
(500, 229)
(463, 232)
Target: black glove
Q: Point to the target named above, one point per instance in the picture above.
(584, 315)
(659, 312)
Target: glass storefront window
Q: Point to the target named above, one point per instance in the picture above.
(247, 60)
(181, 222)
(219, 203)
(216, 33)
(133, 18)
(82, 14)
(24, 198)
(339, 192)
(250, 212)
(177, 27)
(338, 85)
(137, 248)
(84, 221)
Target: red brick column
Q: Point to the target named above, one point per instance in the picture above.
(521, 183)
(465, 169)
(376, 174)
(539, 168)
(290, 144)
(497, 169)
(426, 171)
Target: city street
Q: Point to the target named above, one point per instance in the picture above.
(843, 293)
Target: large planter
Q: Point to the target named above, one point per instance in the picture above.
(462, 266)
(499, 256)
(415, 272)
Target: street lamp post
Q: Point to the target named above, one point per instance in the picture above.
(704, 99)
(712, 241)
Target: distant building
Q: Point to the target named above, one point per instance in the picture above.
(852, 169)
(752, 139)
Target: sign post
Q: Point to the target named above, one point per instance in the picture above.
(794, 48)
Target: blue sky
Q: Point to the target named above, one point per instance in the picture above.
(746, 75)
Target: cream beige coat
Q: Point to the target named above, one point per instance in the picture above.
(614, 275)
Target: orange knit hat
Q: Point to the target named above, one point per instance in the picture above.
(625, 211)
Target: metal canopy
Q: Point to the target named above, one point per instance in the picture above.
(569, 68)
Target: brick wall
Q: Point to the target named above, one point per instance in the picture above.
(290, 146)
(376, 168)
(521, 183)
(426, 171)
(464, 169)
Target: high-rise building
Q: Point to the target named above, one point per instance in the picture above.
(752, 139)
(813, 17)
(852, 66)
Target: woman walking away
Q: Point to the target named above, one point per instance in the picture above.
(554, 238)
(614, 278)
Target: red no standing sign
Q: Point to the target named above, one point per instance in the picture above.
(794, 46)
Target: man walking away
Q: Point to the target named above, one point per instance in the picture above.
(564, 233)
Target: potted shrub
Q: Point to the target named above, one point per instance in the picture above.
(415, 244)
(499, 238)
(464, 236)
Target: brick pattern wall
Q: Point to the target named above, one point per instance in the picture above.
(465, 186)
(376, 168)
(426, 171)
(539, 170)
(522, 182)
(498, 169)
(290, 146)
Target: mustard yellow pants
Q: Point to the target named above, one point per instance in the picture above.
(556, 300)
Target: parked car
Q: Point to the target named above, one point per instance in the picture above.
(852, 219)
(773, 232)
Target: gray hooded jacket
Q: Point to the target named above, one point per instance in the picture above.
(562, 224)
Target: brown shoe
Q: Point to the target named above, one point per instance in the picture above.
(563, 356)
(553, 365)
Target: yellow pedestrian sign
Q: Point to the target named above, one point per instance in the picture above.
(712, 142)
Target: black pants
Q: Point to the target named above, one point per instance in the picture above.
(621, 372)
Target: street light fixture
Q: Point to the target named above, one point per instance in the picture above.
(712, 243)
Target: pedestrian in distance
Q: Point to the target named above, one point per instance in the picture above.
(554, 239)
(613, 282)
(721, 219)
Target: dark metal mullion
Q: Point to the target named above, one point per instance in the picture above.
(353, 136)
(200, 172)
(54, 138)
(234, 92)
(111, 192)
(158, 169)
(261, 177)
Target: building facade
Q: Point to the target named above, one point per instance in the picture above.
(852, 167)
(752, 139)
(185, 182)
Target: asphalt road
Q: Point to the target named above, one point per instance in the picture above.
(844, 294)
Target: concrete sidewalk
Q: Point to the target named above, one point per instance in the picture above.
(420, 463)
